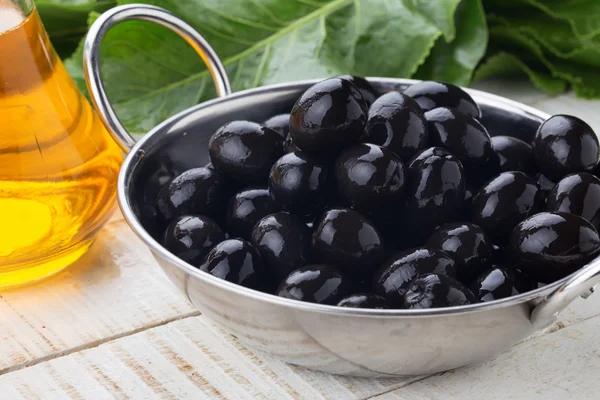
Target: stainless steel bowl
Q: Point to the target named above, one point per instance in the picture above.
(347, 341)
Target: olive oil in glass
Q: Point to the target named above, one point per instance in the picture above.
(58, 164)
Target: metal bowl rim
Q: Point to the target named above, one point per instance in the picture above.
(138, 152)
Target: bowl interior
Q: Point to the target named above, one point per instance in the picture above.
(181, 142)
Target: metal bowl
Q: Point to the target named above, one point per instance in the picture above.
(359, 342)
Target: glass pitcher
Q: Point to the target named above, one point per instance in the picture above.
(58, 165)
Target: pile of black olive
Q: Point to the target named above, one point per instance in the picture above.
(400, 200)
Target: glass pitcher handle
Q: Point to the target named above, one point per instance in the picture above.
(91, 59)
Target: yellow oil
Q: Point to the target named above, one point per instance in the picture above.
(58, 165)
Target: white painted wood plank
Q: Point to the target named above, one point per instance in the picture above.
(192, 358)
(186, 359)
(116, 288)
(561, 365)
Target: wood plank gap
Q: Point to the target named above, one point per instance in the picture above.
(95, 343)
(400, 386)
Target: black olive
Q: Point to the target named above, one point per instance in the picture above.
(546, 185)
(196, 191)
(397, 122)
(210, 166)
(315, 284)
(467, 202)
(367, 90)
(300, 183)
(436, 190)
(329, 116)
(347, 239)
(505, 201)
(565, 144)
(549, 246)
(191, 237)
(514, 154)
(467, 139)
(467, 244)
(244, 151)
(498, 283)
(498, 254)
(237, 261)
(577, 194)
(369, 177)
(394, 277)
(434, 291)
(153, 185)
(246, 208)
(279, 123)
(363, 300)
(430, 95)
(284, 242)
(289, 145)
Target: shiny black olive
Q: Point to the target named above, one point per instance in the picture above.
(549, 246)
(246, 208)
(467, 202)
(434, 291)
(210, 166)
(467, 139)
(393, 278)
(289, 145)
(196, 191)
(367, 90)
(153, 185)
(430, 95)
(498, 254)
(315, 283)
(237, 261)
(369, 177)
(505, 201)
(498, 283)
(244, 151)
(300, 183)
(514, 154)
(279, 123)
(397, 122)
(577, 194)
(191, 237)
(347, 239)
(546, 185)
(363, 300)
(328, 117)
(467, 244)
(436, 190)
(284, 242)
(565, 144)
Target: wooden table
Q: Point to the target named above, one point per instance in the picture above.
(113, 326)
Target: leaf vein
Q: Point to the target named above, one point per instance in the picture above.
(324, 10)
(239, 20)
(261, 66)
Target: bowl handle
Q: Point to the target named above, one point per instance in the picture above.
(91, 59)
(580, 283)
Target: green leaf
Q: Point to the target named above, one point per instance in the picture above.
(66, 20)
(441, 12)
(455, 61)
(583, 78)
(508, 65)
(151, 74)
(582, 15)
(556, 37)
